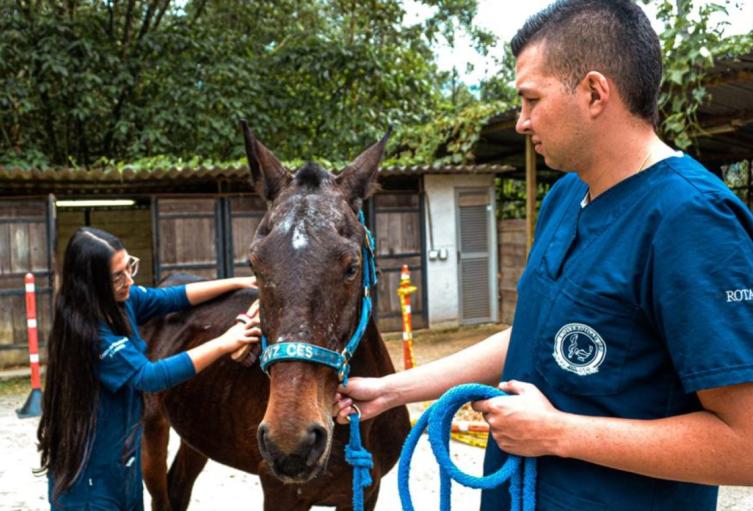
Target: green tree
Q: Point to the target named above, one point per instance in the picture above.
(83, 81)
(691, 44)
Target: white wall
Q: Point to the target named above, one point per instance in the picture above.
(442, 275)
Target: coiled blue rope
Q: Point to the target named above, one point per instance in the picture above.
(520, 472)
(361, 461)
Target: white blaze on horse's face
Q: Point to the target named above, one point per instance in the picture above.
(300, 240)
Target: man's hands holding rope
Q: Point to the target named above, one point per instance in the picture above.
(523, 423)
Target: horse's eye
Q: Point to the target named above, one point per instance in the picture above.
(262, 230)
(351, 272)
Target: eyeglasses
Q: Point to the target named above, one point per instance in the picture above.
(131, 269)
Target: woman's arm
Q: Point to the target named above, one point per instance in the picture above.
(170, 371)
(198, 292)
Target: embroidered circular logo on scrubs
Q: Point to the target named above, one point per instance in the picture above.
(578, 348)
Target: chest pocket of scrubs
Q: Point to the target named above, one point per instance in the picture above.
(585, 341)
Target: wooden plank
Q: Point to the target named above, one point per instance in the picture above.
(177, 206)
(6, 320)
(23, 209)
(38, 250)
(396, 200)
(248, 204)
(5, 243)
(530, 192)
(204, 245)
(243, 234)
(167, 242)
(19, 254)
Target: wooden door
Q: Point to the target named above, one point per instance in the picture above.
(27, 240)
(398, 231)
(187, 237)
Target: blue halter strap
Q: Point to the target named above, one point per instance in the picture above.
(521, 473)
(339, 361)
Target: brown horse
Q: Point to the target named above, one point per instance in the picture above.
(306, 256)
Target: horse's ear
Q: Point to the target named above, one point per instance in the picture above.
(358, 179)
(268, 175)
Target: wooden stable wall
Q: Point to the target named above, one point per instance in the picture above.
(511, 237)
(131, 225)
(24, 247)
(207, 235)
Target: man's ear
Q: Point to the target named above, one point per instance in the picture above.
(268, 175)
(599, 92)
(358, 179)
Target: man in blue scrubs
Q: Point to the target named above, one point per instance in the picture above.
(630, 359)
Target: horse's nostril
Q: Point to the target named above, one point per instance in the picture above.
(261, 438)
(316, 441)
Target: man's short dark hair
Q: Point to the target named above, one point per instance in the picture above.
(613, 37)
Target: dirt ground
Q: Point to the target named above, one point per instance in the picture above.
(222, 488)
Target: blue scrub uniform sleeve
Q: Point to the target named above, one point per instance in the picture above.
(702, 290)
(163, 374)
(120, 362)
(150, 302)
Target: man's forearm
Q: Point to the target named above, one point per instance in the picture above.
(698, 447)
(479, 363)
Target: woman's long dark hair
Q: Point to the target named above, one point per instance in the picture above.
(84, 301)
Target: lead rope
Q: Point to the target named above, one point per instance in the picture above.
(521, 472)
(361, 461)
(355, 454)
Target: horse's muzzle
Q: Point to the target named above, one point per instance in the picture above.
(304, 462)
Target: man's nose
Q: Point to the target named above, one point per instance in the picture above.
(523, 125)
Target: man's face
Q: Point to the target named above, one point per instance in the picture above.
(550, 112)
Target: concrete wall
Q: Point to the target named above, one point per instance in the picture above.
(442, 275)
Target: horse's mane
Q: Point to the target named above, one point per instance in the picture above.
(311, 175)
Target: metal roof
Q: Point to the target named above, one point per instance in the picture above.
(727, 119)
(202, 179)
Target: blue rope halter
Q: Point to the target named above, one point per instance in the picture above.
(355, 455)
(438, 418)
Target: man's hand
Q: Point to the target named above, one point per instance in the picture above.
(369, 395)
(523, 423)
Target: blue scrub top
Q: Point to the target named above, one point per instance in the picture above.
(627, 307)
(112, 476)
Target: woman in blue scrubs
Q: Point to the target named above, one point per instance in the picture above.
(630, 358)
(90, 430)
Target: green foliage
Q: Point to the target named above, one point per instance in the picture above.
(449, 138)
(90, 81)
(691, 45)
(512, 195)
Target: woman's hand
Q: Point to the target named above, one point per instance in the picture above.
(240, 334)
(246, 282)
(370, 395)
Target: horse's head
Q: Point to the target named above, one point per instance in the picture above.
(307, 258)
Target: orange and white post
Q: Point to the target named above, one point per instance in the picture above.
(404, 291)
(33, 405)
